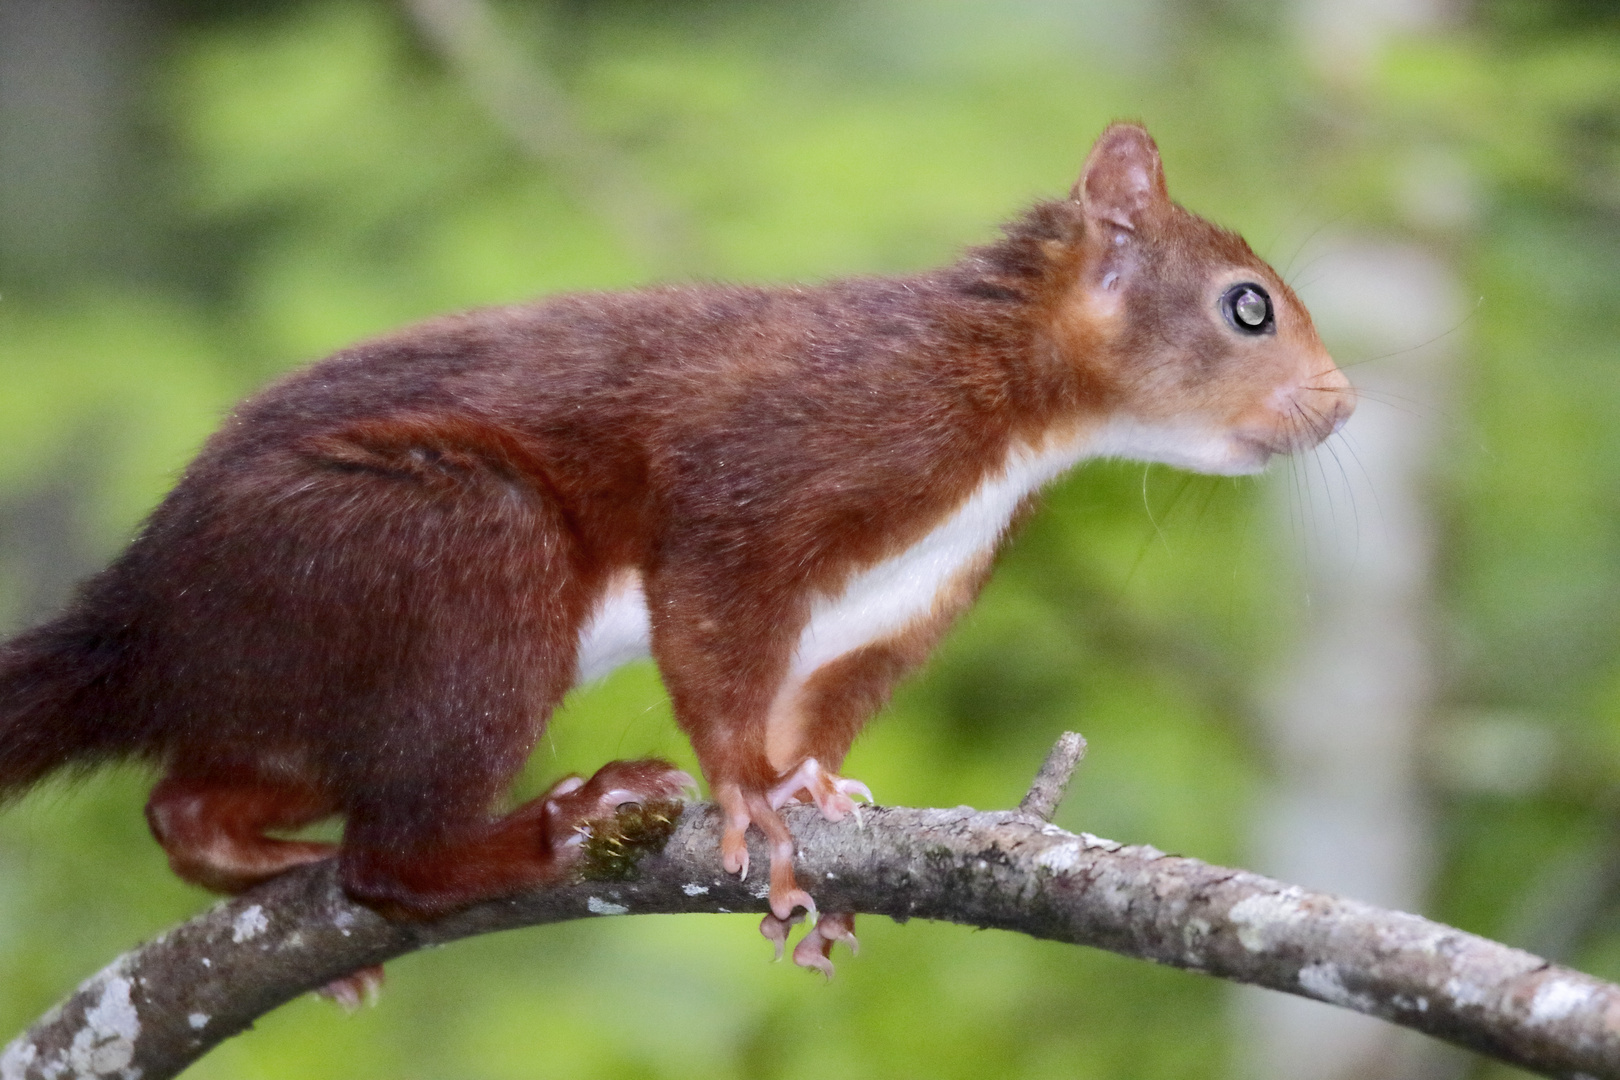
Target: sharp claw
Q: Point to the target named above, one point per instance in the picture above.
(362, 987)
(847, 937)
(855, 787)
(772, 936)
(808, 954)
(566, 785)
(830, 793)
(687, 788)
(341, 994)
(776, 930)
(782, 906)
(675, 784)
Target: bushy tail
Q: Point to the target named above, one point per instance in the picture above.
(60, 699)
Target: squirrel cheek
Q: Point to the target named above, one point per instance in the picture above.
(1092, 319)
(1088, 338)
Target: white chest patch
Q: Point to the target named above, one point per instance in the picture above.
(618, 631)
(876, 603)
(881, 600)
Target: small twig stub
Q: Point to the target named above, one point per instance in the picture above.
(1053, 780)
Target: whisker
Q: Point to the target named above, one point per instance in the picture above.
(1148, 506)
(1187, 481)
(1211, 491)
(1366, 391)
(1349, 445)
(1387, 398)
(1302, 282)
(1147, 543)
(1319, 531)
(1247, 524)
(1460, 323)
(1303, 427)
(1314, 233)
(1307, 508)
(1296, 509)
(1350, 493)
(1349, 488)
(1294, 217)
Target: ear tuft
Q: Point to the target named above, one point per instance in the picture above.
(1123, 180)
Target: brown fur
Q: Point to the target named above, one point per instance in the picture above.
(365, 595)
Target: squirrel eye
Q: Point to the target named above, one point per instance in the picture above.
(1248, 308)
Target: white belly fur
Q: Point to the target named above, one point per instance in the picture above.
(874, 604)
(882, 600)
(619, 630)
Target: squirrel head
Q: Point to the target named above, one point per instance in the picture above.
(1201, 356)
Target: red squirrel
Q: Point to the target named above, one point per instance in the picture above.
(377, 579)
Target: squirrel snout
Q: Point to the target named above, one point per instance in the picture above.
(1304, 414)
(1325, 403)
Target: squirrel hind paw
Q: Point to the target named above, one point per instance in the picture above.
(357, 988)
(572, 803)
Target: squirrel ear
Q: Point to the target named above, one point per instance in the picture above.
(1123, 180)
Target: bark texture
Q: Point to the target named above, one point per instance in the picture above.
(160, 1007)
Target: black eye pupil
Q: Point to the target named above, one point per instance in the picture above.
(1248, 307)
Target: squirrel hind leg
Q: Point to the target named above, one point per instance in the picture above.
(213, 832)
(213, 829)
(537, 843)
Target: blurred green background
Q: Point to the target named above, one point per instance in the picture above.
(200, 194)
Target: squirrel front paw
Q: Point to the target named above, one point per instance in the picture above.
(745, 808)
(831, 793)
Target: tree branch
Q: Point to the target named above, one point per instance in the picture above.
(163, 1005)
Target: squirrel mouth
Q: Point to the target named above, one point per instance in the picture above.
(1257, 449)
(1305, 436)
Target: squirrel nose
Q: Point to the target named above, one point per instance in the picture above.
(1336, 411)
(1332, 413)
(1337, 395)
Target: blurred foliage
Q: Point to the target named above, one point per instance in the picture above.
(315, 175)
